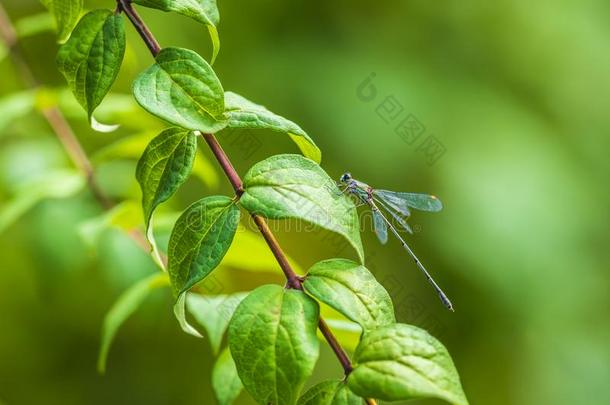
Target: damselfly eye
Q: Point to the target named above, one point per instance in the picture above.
(345, 177)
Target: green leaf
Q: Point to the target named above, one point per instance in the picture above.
(203, 11)
(225, 381)
(126, 216)
(180, 313)
(34, 24)
(330, 393)
(123, 308)
(164, 166)
(291, 186)
(245, 114)
(214, 312)
(182, 89)
(352, 290)
(66, 14)
(400, 362)
(14, 106)
(200, 238)
(272, 337)
(91, 59)
(54, 184)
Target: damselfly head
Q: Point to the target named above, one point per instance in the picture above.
(345, 177)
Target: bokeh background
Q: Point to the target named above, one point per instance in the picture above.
(506, 110)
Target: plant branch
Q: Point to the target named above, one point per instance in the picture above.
(53, 115)
(233, 176)
(60, 126)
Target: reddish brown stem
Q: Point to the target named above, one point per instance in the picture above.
(140, 26)
(233, 176)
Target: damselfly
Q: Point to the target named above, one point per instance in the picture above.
(398, 205)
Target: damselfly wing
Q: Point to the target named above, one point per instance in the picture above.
(398, 205)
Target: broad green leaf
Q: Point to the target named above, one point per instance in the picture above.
(200, 238)
(164, 166)
(214, 312)
(272, 337)
(34, 24)
(54, 184)
(400, 362)
(14, 106)
(330, 393)
(91, 59)
(203, 11)
(182, 89)
(352, 290)
(66, 14)
(291, 186)
(123, 308)
(225, 381)
(245, 114)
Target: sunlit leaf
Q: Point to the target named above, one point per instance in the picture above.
(34, 24)
(401, 362)
(291, 186)
(245, 114)
(66, 14)
(123, 308)
(14, 106)
(54, 184)
(330, 393)
(126, 216)
(91, 59)
(225, 381)
(352, 290)
(204, 11)
(214, 312)
(182, 89)
(272, 337)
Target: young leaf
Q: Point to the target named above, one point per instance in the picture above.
(122, 309)
(164, 166)
(66, 14)
(182, 89)
(60, 183)
(214, 312)
(92, 57)
(330, 393)
(245, 114)
(14, 106)
(225, 381)
(272, 337)
(291, 186)
(200, 238)
(203, 11)
(34, 24)
(352, 290)
(400, 362)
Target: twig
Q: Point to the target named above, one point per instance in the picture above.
(61, 127)
(233, 176)
(53, 115)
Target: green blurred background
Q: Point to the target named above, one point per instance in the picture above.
(514, 94)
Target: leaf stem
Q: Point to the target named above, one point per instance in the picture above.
(233, 176)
